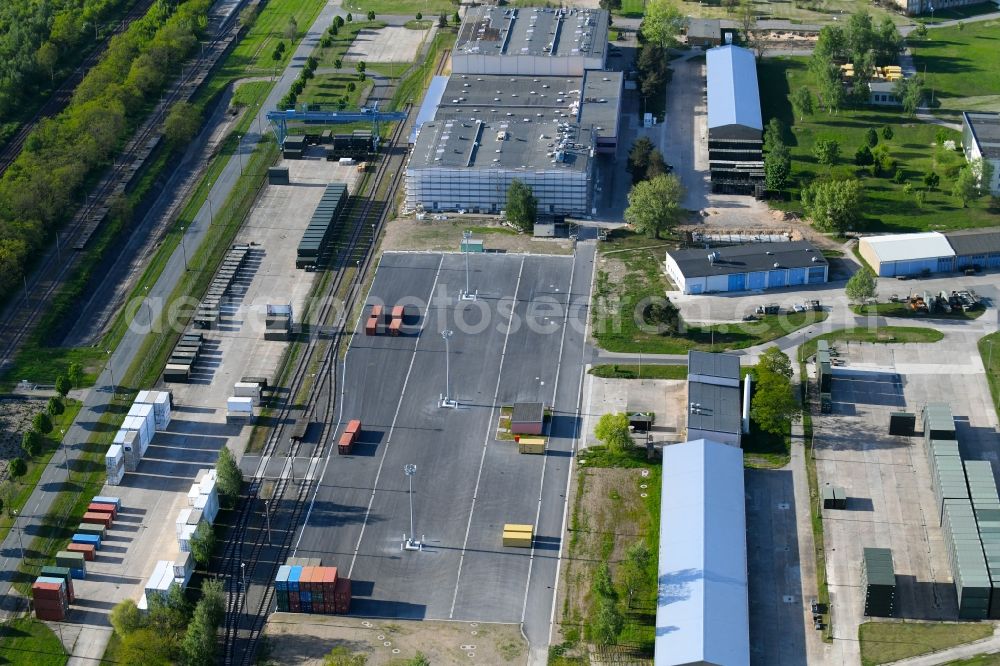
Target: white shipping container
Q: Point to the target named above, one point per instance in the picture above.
(184, 540)
(142, 426)
(115, 477)
(193, 494)
(238, 405)
(130, 449)
(207, 487)
(115, 457)
(182, 520)
(153, 583)
(183, 566)
(247, 390)
(209, 505)
(161, 409)
(144, 397)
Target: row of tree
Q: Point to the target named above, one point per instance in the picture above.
(43, 187)
(37, 37)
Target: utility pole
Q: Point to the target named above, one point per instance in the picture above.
(184, 250)
(111, 369)
(267, 516)
(446, 399)
(409, 543)
(467, 295)
(243, 577)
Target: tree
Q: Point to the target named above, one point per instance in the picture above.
(663, 23)
(147, 647)
(826, 151)
(455, 18)
(202, 543)
(773, 405)
(751, 36)
(633, 569)
(602, 586)
(371, 16)
(966, 186)
(63, 385)
(638, 158)
(657, 165)
(338, 63)
(419, 16)
(199, 645)
(920, 32)
(931, 180)
(126, 617)
(47, 57)
(342, 656)
(871, 137)
(350, 17)
(75, 374)
(522, 206)
(910, 93)
(774, 360)
(612, 430)
(229, 476)
(31, 443)
(887, 132)
(777, 167)
(17, 468)
(834, 205)
(42, 423)
(361, 66)
(861, 286)
(609, 622)
(654, 205)
(291, 28)
(55, 406)
(774, 133)
(802, 102)
(338, 21)
(863, 156)
(983, 172)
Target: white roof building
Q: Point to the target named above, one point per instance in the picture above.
(907, 254)
(702, 614)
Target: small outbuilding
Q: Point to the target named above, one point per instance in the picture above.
(527, 418)
(704, 32)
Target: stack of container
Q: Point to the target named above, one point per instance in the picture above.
(311, 589)
(87, 538)
(902, 423)
(182, 569)
(51, 598)
(986, 506)
(278, 322)
(187, 522)
(63, 574)
(349, 437)
(209, 312)
(320, 230)
(161, 402)
(947, 474)
(131, 448)
(965, 555)
(517, 536)
(248, 390)
(103, 507)
(140, 418)
(184, 357)
(204, 495)
(114, 464)
(293, 147)
(111, 500)
(239, 410)
(878, 579)
(73, 561)
(101, 518)
(938, 422)
(159, 583)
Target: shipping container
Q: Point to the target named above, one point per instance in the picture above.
(371, 326)
(98, 517)
(395, 327)
(92, 528)
(92, 539)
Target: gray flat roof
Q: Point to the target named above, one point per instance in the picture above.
(704, 27)
(747, 258)
(733, 98)
(717, 408)
(524, 412)
(986, 131)
(714, 365)
(537, 31)
(975, 241)
(539, 116)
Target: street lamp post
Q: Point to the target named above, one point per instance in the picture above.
(267, 517)
(467, 295)
(111, 369)
(446, 399)
(184, 249)
(17, 528)
(239, 151)
(243, 577)
(409, 542)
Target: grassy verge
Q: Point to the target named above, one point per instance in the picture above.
(962, 68)
(903, 310)
(882, 334)
(991, 362)
(885, 642)
(981, 660)
(889, 205)
(624, 288)
(50, 444)
(400, 7)
(413, 84)
(28, 642)
(617, 371)
(815, 513)
(614, 506)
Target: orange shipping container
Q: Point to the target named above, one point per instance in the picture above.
(329, 579)
(96, 507)
(371, 326)
(377, 312)
(395, 326)
(398, 312)
(100, 518)
(88, 550)
(353, 426)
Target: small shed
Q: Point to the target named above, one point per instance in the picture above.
(471, 245)
(704, 32)
(527, 418)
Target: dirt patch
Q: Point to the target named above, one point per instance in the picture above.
(15, 419)
(446, 236)
(304, 639)
(391, 44)
(610, 514)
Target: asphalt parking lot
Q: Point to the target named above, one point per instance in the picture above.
(887, 478)
(467, 484)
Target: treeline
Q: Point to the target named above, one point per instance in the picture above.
(42, 188)
(35, 37)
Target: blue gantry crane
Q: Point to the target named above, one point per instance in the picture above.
(315, 114)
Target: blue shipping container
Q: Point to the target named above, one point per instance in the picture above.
(293, 578)
(108, 500)
(87, 538)
(78, 573)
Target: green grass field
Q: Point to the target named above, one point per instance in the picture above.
(903, 311)
(797, 12)
(981, 660)
(888, 207)
(28, 642)
(882, 334)
(991, 361)
(617, 371)
(884, 642)
(962, 66)
(400, 7)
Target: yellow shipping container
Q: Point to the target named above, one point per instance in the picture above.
(514, 527)
(531, 445)
(517, 539)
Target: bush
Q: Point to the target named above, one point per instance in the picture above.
(419, 16)
(63, 385)
(899, 177)
(42, 423)
(55, 406)
(31, 443)
(17, 468)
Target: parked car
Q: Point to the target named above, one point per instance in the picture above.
(798, 307)
(769, 309)
(751, 317)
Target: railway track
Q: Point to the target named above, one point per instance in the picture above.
(48, 275)
(60, 96)
(247, 557)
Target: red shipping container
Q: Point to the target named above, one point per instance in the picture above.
(394, 326)
(305, 580)
(50, 604)
(56, 615)
(376, 312)
(371, 326)
(88, 549)
(342, 596)
(329, 579)
(398, 312)
(353, 426)
(345, 444)
(98, 507)
(100, 518)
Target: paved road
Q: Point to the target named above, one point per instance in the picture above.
(98, 398)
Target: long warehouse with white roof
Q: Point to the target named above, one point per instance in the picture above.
(931, 252)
